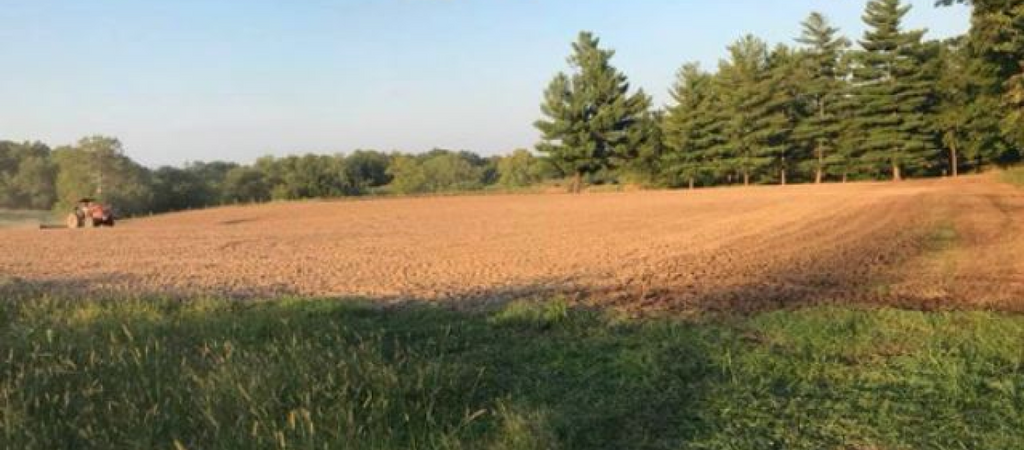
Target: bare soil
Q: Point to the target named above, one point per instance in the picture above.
(923, 244)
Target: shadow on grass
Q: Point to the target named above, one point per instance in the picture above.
(300, 373)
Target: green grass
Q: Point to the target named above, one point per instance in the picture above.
(314, 374)
(24, 218)
(1014, 175)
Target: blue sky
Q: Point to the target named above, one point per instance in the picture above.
(185, 80)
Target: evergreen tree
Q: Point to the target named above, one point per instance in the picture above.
(788, 107)
(756, 125)
(643, 166)
(994, 52)
(691, 127)
(823, 83)
(954, 102)
(590, 114)
(1013, 123)
(891, 94)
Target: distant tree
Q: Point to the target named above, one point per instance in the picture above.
(407, 175)
(245, 185)
(35, 182)
(307, 176)
(210, 187)
(590, 114)
(97, 167)
(26, 176)
(518, 169)
(451, 172)
(367, 169)
(822, 86)
(891, 94)
(175, 189)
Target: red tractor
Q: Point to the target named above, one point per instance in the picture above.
(89, 214)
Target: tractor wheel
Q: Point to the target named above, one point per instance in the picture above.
(72, 221)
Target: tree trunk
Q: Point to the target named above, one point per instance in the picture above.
(577, 183)
(896, 175)
(819, 172)
(746, 178)
(691, 183)
(783, 177)
(954, 161)
(844, 177)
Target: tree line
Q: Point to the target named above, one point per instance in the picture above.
(34, 176)
(890, 105)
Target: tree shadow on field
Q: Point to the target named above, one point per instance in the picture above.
(348, 374)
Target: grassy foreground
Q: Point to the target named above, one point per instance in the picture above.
(305, 374)
(1014, 175)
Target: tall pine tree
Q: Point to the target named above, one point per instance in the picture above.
(954, 102)
(994, 53)
(822, 89)
(891, 95)
(691, 127)
(591, 120)
(756, 115)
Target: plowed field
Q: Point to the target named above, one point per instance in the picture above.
(929, 244)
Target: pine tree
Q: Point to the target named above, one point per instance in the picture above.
(994, 52)
(789, 108)
(591, 117)
(1013, 123)
(823, 83)
(954, 102)
(690, 127)
(891, 94)
(756, 117)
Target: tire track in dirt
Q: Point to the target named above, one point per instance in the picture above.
(975, 259)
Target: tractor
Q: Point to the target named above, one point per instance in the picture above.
(89, 213)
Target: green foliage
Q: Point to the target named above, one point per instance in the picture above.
(307, 176)
(591, 121)
(692, 127)
(245, 185)
(1013, 123)
(329, 374)
(891, 95)
(756, 127)
(438, 171)
(367, 169)
(26, 176)
(822, 87)
(520, 169)
(953, 119)
(446, 171)
(97, 167)
(407, 175)
(994, 52)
